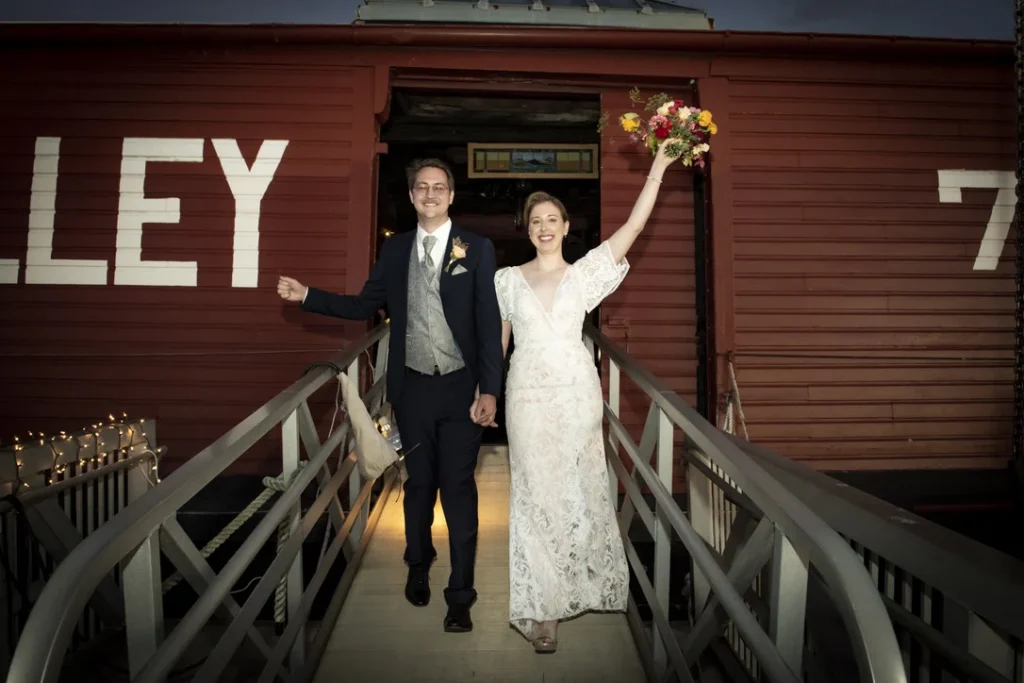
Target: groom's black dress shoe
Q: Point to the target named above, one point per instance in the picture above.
(457, 620)
(417, 587)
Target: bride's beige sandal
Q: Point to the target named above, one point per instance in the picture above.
(545, 640)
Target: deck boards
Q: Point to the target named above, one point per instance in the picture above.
(381, 637)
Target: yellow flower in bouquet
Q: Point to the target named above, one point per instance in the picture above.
(630, 123)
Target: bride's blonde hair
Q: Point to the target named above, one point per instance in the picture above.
(536, 198)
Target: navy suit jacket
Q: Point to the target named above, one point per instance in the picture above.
(470, 306)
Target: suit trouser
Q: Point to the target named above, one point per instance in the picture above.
(441, 445)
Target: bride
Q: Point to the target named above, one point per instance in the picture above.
(565, 553)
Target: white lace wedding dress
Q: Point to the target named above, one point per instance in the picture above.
(565, 553)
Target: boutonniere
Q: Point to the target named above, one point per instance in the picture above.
(459, 249)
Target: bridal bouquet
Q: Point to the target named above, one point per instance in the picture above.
(689, 127)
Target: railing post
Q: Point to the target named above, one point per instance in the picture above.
(354, 479)
(614, 395)
(381, 366)
(788, 602)
(993, 647)
(142, 589)
(699, 501)
(294, 578)
(662, 540)
(380, 370)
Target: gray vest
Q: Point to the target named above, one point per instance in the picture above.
(428, 339)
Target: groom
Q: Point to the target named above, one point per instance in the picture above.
(437, 284)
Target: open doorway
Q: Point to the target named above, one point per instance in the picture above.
(452, 124)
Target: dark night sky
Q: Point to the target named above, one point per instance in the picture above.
(979, 19)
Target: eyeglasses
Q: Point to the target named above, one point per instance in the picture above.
(423, 189)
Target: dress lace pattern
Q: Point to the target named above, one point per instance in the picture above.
(565, 553)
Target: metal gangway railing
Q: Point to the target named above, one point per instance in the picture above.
(957, 605)
(776, 545)
(148, 528)
(778, 540)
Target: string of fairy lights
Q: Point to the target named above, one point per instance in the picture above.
(96, 453)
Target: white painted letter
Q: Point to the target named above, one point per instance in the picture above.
(248, 187)
(134, 210)
(9, 271)
(950, 183)
(40, 266)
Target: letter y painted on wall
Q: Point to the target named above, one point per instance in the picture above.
(248, 185)
(951, 181)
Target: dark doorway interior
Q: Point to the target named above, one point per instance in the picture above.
(441, 124)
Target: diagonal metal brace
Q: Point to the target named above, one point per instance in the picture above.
(747, 564)
(311, 442)
(643, 452)
(182, 552)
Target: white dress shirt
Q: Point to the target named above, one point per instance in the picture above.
(437, 251)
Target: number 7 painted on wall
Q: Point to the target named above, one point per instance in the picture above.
(951, 181)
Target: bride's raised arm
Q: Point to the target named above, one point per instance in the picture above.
(623, 239)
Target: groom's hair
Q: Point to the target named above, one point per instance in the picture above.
(413, 169)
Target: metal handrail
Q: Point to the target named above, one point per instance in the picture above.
(703, 559)
(943, 559)
(976, 582)
(48, 631)
(860, 606)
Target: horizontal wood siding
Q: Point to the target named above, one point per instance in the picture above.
(198, 358)
(865, 338)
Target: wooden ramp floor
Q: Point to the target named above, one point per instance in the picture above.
(381, 637)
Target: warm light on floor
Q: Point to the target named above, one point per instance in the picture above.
(492, 493)
(598, 648)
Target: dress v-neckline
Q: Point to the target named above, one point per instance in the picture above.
(554, 294)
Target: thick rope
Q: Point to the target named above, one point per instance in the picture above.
(727, 425)
(281, 593)
(272, 485)
(733, 407)
(283, 530)
(734, 398)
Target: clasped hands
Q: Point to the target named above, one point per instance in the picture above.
(483, 410)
